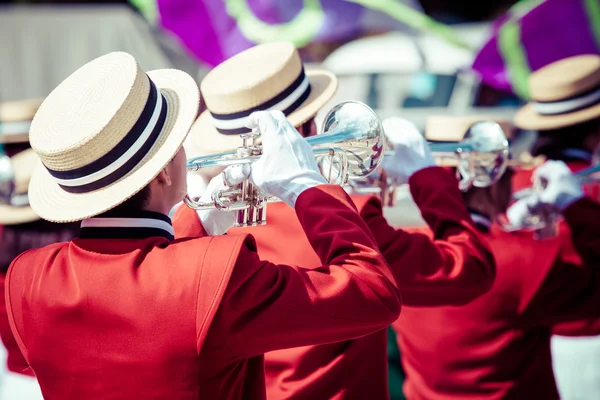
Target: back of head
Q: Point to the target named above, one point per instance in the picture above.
(565, 106)
(105, 133)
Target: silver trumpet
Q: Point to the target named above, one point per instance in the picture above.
(542, 221)
(351, 146)
(481, 158)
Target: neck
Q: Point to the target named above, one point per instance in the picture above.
(479, 203)
(158, 202)
(160, 210)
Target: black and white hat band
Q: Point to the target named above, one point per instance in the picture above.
(14, 128)
(572, 104)
(18, 200)
(287, 102)
(9, 197)
(121, 159)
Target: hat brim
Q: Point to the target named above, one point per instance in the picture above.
(446, 161)
(205, 139)
(15, 138)
(10, 215)
(528, 118)
(54, 204)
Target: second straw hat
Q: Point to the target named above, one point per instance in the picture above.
(15, 120)
(265, 77)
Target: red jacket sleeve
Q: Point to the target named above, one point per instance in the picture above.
(269, 307)
(571, 291)
(450, 268)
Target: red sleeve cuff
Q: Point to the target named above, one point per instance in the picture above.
(432, 176)
(317, 193)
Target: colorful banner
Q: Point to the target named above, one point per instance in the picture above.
(214, 30)
(535, 33)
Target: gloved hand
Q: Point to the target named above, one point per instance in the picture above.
(216, 222)
(411, 152)
(287, 166)
(561, 190)
(518, 213)
(196, 184)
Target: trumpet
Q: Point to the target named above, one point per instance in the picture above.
(543, 221)
(481, 159)
(350, 146)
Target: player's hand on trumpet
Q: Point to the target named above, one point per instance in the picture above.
(215, 221)
(556, 189)
(411, 153)
(287, 166)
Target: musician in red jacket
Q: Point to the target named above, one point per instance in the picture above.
(498, 346)
(566, 113)
(452, 268)
(126, 311)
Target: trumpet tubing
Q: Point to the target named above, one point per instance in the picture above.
(480, 158)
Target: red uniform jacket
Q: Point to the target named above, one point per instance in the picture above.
(588, 326)
(453, 268)
(498, 346)
(144, 316)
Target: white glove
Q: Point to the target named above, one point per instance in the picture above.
(197, 184)
(411, 152)
(216, 222)
(287, 166)
(517, 213)
(562, 187)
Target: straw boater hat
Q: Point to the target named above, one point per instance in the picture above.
(15, 120)
(16, 210)
(104, 133)
(265, 77)
(564, 93)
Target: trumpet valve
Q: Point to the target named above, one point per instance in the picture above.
(253, 149)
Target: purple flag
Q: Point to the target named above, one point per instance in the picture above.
(211, 31)
(551, 31)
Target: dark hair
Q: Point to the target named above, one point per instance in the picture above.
(306, 129)
(17, 239)
(500, 197)
(135, 203)
(551, 143)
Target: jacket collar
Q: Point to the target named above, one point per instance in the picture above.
(482, 222)
(140, 225)
(572, 154)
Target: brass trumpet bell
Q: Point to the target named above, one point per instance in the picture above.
(483, 155)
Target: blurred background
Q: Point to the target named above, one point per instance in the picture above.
(407, 58)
